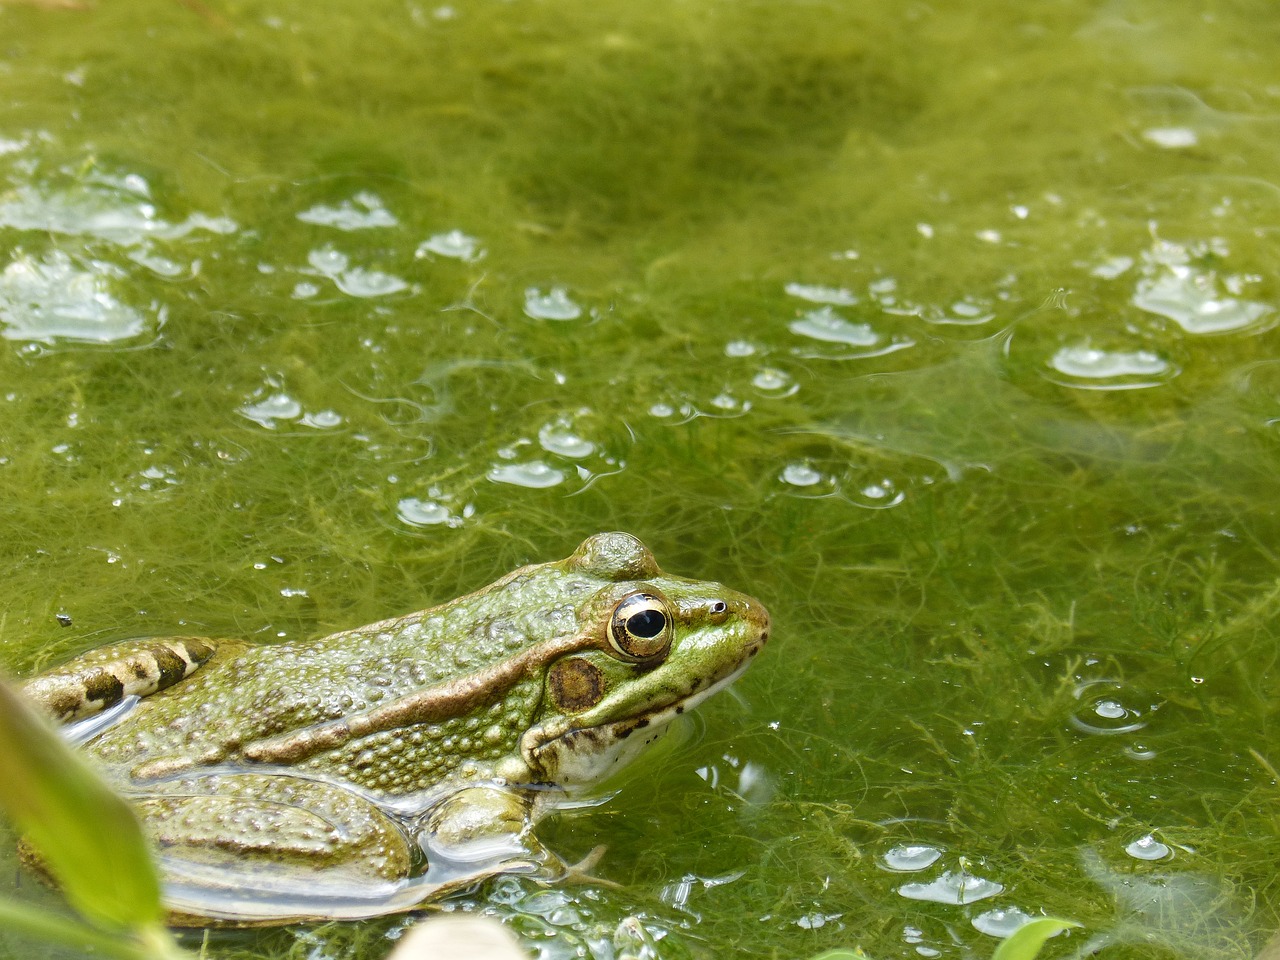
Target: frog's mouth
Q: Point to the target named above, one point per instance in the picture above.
(573, 752)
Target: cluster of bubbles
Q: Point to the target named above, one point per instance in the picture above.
(56, 297)
(565, 925)
(61, 297)
(952, 884)
(275, 409)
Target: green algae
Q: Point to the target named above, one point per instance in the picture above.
(969, 546)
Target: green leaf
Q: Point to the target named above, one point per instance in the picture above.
(152, 943)
(1026, 941)
(89, 839)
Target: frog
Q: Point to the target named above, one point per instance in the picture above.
(377, 770)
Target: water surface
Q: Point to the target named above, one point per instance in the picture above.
(947, 330)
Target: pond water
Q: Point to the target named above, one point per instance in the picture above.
(948, 330)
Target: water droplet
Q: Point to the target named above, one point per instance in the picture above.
(909, 857)
(837, 296)
(662, 410)
(1112, 267)
(812, 921)
(962, 313)
(1104, 707)
(954, 887)
(801, 475)
(1091, 368)
(554, 305)
(1171, 138)
(1173, 286)
(532, 473)
(558, 438)
(322, 419)
(112, 208)
(454, 244)
(774, 383)
(278, 406)
(359, 282)
(1001, 921)
(826, 325)
(727, 403)
(739, 348)
(328, 261)
(363, 212)
(52, 299)
(353, 281)
(422, 513)
(1148, 848)
(873, 494)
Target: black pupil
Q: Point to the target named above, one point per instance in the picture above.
(646, 624)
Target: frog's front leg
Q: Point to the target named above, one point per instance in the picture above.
(102, 678)
(492, 827)
(482, 825)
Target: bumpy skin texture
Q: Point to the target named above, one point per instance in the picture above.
(369, 770)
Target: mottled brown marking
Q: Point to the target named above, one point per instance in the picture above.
(103, 687)
(198, 650)
(575, 684)
(172, 667)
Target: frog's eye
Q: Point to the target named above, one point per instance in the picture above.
(641, 627)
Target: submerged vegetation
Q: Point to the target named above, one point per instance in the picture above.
(948, 333)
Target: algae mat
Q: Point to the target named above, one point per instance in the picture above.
(948, 330)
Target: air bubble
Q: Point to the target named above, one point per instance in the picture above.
(422, 513)
(455, 244)
(49, 300)
(826, 325)
(837, 296)
(554, 305)
(278, 406)
(772, 382)
(954, 887)
(559, 439)
(1148, 848)
(1088, 367)
(1001, 921)
(363, 212)
(533, 473)
(1105, 707)
(909, 857)
(801, 475)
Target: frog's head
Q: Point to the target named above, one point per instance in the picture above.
(650, 646)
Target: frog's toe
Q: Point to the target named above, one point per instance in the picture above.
(583, 871)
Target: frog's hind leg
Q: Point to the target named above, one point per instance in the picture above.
(102, 678)
(246, 849)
